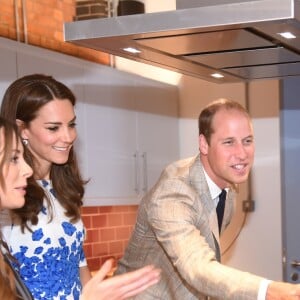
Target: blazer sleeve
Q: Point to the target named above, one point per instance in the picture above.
(180, 223)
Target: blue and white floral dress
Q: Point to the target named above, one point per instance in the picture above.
(50, 256)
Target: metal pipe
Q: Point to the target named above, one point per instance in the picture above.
(112, 12)
(25, 21)
(17, 20)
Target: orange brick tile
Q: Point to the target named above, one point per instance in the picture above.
(89, 210)
(87, 221)
(116, 247)
(107, 234)
(70, 2)
(129, 218)
(99, 221)
(94, 263)
(4, 31)
(115, 219)
(123, 233)
(6, 8)
(100, 249)
(58, 15)
(58, 35)
(50, 44)
(106, 209)
(93, 235)
(34, 39)
(120, 208)
(87, 250)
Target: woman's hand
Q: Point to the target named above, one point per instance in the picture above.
(119, 287)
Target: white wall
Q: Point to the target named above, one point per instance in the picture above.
(258, 248)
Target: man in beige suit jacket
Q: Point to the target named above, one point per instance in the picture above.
(177, 226)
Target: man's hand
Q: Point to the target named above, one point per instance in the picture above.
(283, 291)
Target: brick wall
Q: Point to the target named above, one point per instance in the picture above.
(44, 22)
(90, 9)
(108, 228)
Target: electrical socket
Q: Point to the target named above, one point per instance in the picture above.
(248, 205)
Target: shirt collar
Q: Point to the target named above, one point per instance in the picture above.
(214, 190)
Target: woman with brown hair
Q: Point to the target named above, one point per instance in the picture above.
(46, 235)
(14, 172)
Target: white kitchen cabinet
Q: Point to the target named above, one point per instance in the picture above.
(157, 129)
(135, 124)
(109, 125)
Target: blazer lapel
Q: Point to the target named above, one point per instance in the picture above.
(229, 208)
(199, 183)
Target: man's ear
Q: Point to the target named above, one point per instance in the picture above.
(203, 145)
(21, 126)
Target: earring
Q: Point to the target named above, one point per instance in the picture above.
(25, 142)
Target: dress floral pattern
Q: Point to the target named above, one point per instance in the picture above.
(49, 257)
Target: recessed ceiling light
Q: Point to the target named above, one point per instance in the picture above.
(217, 75)
(287, 35)
(132, 50)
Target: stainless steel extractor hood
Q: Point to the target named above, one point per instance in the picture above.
(237, 39)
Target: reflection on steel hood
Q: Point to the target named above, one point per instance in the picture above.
(238, 39)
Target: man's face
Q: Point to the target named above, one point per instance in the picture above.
(229, 156)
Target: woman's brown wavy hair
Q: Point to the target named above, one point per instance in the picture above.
(22, 100)
(8, 132)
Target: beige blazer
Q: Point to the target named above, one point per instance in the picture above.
(177, 231)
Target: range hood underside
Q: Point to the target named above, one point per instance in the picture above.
(239, 40)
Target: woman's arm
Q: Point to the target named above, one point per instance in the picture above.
(85, 275)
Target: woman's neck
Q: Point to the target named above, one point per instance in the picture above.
(41, 172)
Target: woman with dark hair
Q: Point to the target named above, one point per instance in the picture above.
(14, 172)
(46, 235)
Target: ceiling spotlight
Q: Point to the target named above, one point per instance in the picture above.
(287, 35)
(132, 50)
(217, 75)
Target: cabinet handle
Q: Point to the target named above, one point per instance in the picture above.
(295, 263)
(136, 166)
(145, 172)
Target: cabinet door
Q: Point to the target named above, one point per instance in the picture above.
(110, 137)
(157, 129)
(8, 70)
